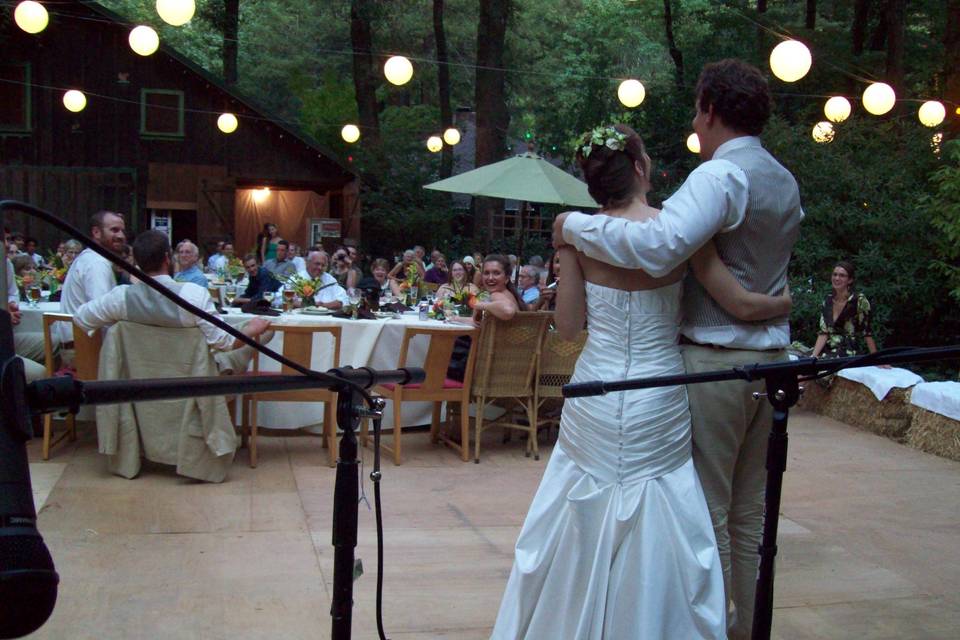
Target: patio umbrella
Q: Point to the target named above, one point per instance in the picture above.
(527, 178)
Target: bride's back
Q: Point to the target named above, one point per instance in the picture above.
(627, 279)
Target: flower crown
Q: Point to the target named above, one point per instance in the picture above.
(604, 137)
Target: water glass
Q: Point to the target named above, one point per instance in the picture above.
(33, 294)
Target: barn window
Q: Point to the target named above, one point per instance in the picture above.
(14, 96)
(161, 113)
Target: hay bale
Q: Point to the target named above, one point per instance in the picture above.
(853, 403)
(934, 433)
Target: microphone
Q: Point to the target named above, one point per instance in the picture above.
(28, 580)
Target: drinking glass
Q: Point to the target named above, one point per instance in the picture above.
(288, 295)
(229, 294)
(414, 295)
(268, 296)
(33, 294)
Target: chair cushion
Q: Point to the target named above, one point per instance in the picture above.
(448, 383)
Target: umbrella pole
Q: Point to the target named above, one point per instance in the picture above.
(523, 214)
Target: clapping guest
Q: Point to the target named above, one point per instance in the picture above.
(437, 273)
(459, 281)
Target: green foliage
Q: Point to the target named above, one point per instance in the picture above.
(942, 206)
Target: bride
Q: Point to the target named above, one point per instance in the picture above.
(618, 541)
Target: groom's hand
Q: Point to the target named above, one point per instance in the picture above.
(558, 240)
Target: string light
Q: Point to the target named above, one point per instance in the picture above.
(823, 132)
(932, 113)
(451, 136)
(144, 40)
(935, 141)
(176, 12)
(398, 70)
(693, 143)
(434, 144)
(837, 109)
(631, 93)
(227, 122)
(350, 133)
(879, 98)
(31, 16)
(790, 60)
(74, 101)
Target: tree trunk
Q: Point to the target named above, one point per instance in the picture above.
(861, 15)
(761, 6)
(811, 22)
(951, 72)
(443, 86)
(878, 40)
(675, 52)
(231, 31)
(894, 17)
(364, 71)
(490, 98)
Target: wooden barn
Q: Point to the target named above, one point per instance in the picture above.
(147, 143)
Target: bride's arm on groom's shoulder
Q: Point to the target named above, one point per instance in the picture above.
(712, 200)
(745, 305)
(571, 311)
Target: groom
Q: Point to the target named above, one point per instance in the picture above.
(750, 205)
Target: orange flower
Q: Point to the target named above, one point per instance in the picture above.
(404, 286)
(472, 301)
(307, 290)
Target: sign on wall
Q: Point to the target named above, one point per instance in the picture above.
(320, 228)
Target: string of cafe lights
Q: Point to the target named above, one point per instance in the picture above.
(789, 61)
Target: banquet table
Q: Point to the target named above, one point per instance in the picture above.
(363, 343)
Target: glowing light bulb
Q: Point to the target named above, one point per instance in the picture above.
(932, 113)
(790, 60)
(451, 136)
(74, 101)
(144, 40)
(693, 143)
(398, 70)
(837, 109)
(879, 98)
(434, 144)
(31, 16)
(227, 122)
(631, 93)
(823, 132)
(350, 133)
(176, 12)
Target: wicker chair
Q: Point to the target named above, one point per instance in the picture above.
(557, 360)
(505, 365)
(86, 361)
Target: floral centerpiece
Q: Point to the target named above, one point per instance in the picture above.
(461, 302)
(410, 282)
(303, 286)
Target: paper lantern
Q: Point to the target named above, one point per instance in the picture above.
(144, 40)
(31, 16)
(837, 109)
(74, 101)
(398, 70)
(879, 98)
(693, 143)
(631, 93)
(259, 195)
(227, 122)
(823, 132)
(932, 113)
(176, 12)
(434, 144)
(350, 133)
(790, 60)
(451, 136)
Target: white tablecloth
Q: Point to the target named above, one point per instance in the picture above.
(880, 380)
(31, 319)
(939, 397)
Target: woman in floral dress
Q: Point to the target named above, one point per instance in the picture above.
(845, 318)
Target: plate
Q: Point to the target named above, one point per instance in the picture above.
(316, 311)
(386, 314)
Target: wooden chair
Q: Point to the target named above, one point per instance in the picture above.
(558, 357)
(86, 362)
(436, 388)
(298, 346)
(504, 368)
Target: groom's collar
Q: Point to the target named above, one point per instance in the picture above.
(736, 143)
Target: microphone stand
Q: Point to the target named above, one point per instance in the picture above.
(782, 381)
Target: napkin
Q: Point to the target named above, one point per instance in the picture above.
(362, 314)
(259, 307)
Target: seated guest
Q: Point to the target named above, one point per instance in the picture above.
(71, 249)
(548, 291)
(26, 269)
(214, 254)
(141, 304)
(529, 288)
(437, 273)
(188, 255)
(399, 271)
(30, 248)
(294, 256)
(27, 344)
(331, 295)
(458, 282)
(380, 268)
(124, 277)
(259, 280)
(280, 266)
(343, 270)
(220, 259)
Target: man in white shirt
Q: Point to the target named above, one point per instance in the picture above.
(139, 303)
(749, 204)
(331, 295)
(27, 344)
(91, 275)
(528, 285)
(188, 255)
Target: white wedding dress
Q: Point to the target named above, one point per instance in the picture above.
(618, 542)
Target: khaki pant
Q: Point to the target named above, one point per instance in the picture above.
(238, 360)
(730, 431)
(29, 346)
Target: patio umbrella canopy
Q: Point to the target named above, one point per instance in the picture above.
(526, 177)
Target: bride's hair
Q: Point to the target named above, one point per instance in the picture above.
(610, 175)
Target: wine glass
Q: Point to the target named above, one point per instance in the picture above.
(229, 294)
(288, 295)
(449, 311)
(414, 294)
(353, 295)
(268, 296)
(33, 294)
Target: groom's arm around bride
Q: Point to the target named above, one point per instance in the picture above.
(750, 205)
